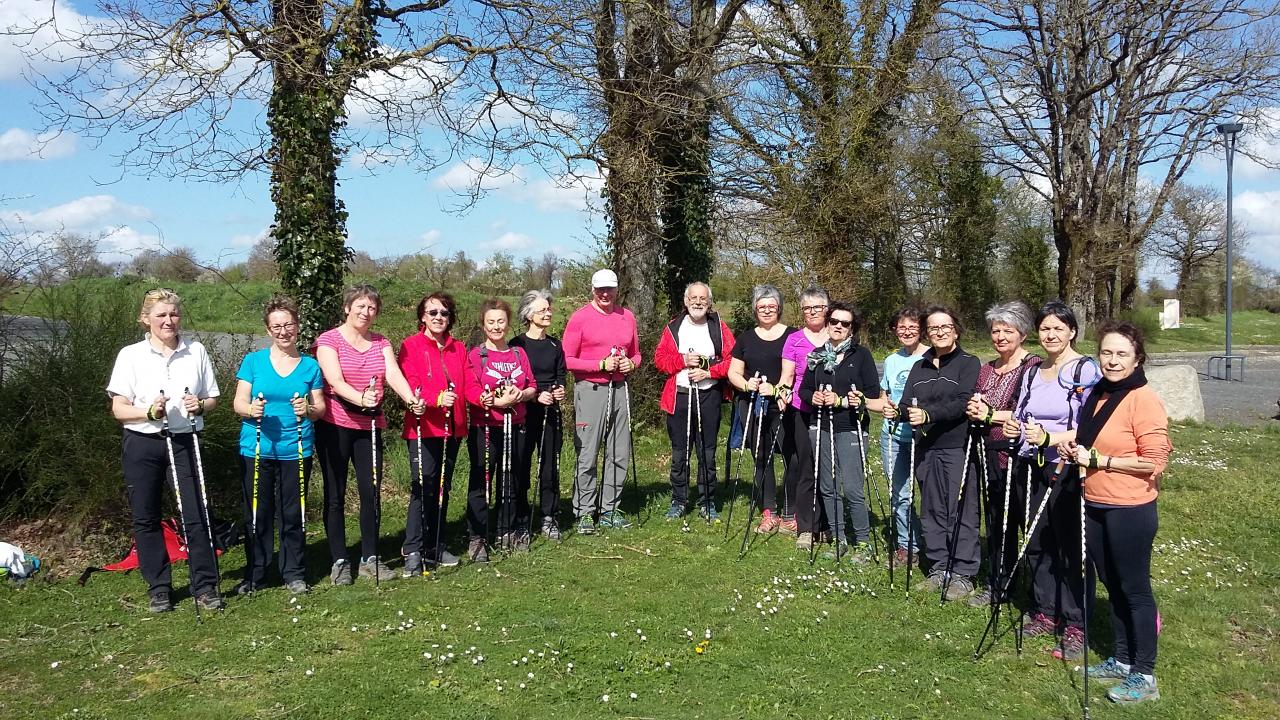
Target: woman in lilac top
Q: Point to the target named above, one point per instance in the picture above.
(798, 481)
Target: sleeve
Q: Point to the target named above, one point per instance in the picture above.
(208, 378)
(884, 381)
(634, 353)
(808, 386)
(561, 370)
(1151, 429)
(316, 379)
(471, 385)
(327, 339)
(408, 362)
(527, 368)
(950, 407)
(740, 346)
(573, 346)
(121, 381)
(868, 379)
(666, 358)
(246, 371)
(720, 370)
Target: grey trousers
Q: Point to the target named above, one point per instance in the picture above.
(848, 467)
(597, 420)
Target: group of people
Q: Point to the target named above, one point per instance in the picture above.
(1039, 447)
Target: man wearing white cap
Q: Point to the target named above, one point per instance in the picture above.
(601, 347)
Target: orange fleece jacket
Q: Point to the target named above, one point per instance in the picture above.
(1138, 428)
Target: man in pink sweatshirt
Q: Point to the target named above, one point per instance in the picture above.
(601, 347)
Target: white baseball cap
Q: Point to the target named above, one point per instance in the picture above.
(605, 278)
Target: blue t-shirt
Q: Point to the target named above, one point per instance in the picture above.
(894, 381)
(279, 424)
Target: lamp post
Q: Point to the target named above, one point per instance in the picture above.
(1229, 132)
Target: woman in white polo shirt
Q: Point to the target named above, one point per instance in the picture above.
(165, 381)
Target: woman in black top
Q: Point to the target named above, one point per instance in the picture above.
(840, 375)
(543, 422)
(756, 366)
(937, 392)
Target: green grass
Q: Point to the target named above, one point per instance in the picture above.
(787, 639)
(1250, 327)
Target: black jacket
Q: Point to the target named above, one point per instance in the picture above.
(942, 392)
(855, 371)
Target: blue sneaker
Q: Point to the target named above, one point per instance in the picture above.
(675, 512)
(1135, 689)
(709, 514)
(614, 521)
(586, 526)
(1108, 670)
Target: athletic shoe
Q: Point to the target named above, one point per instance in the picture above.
(160, 602)
(297, 587)
(1135, 689)
(1071, 646)
(787, 526)
(340, 573)
(900, 557)
(861, 553)
(1039, 624)
(586, 526)
(244, 587)
(412, 565)
(931, 583)
(210, 600)
(478, 552)
(551, 530)
(768, 523)
(981, 598)
(614, 520)
(839, 552)
(522, 541)
(372, 567)
(440, 557)
(804, 541)
(708, 513)
(1108, 671)
(675, 512)
(506, 542)
(958, 587)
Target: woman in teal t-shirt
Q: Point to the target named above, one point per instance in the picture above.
(278, 395)
(895, 446)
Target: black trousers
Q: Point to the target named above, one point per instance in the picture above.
(496, 487)
(1120, 540)
(681, 426)
(337, 447)
(145, 461)
(1053, 552)
(766, 488)
(279, 493)
(421, 526)
(798, 449)
(949, 522)
(1002, 550)
(544, 433)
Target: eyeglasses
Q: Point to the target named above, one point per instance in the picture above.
(438, 313)
(940, 329)
(766, 308)
(842, 323)
(813, 308)
(544, 311)
(286, 327)
(908, 329)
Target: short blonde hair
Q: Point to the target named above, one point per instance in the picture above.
(158, 295)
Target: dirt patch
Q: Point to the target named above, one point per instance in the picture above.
(67, 547)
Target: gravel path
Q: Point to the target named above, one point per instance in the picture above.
(1249, 402)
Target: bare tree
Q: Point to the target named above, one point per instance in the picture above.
(1084, 96)
(1191, 232)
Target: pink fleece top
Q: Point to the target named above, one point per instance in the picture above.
(490, 370)
(591, 335)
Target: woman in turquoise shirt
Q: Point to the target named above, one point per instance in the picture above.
(895, 447)
(278, 395)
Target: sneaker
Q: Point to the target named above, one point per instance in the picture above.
(675, 512)
(478, 552)
(522, 541)
(614, 520)
(1071, 646)
(372, 567)
(958, 587)
(839, 552)
(551, 530)
(160, 602)
(708, 513)
(586, 526)
(1135, 689)
(768, 523)
(440, 557)
(1108, 671)
(297, 587)
(412, 565)
(900, 557)
(981, 598)
(931, 583)
(1039, 624)
(340, 573)
(787, 526)
(244, 587)
(804, 541)
(862, 553)
(210, 600)
(506, 542)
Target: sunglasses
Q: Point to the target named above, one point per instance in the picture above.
(841, 323)
(438, 313)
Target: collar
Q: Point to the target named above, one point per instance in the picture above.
(945, 359)
(182, 345)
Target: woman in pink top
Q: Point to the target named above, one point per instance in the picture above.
(797, 480)
(499, 382)
(357, 364)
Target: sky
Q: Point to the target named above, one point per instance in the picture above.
(65, 182)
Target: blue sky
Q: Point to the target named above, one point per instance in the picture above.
(75, 183)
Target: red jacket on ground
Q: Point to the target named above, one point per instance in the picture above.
(428, 366)
(669, 360)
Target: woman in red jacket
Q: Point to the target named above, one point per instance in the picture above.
(694, 353)
(434, 364)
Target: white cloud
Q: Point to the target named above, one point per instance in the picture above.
(473, 173)
(386, 96)
(91, 212)
(247, 240)
(567, 192)
(17, 144)
(30, 40)
(1257, 212)
(509, 242)
(430, 237)
(124, 242)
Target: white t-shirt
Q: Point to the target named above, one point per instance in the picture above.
(693, 337)
(141, 372)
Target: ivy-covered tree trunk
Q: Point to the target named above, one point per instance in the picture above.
(686, 211)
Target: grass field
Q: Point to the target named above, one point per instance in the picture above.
(665, 622)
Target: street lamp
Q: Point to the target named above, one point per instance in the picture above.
(1229, 131)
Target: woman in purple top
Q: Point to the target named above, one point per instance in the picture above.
(1053, 550)
(798, 481)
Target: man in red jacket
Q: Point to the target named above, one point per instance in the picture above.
(695, 354)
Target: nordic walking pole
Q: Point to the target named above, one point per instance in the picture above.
(422, 481)
(177, 489)
(377, 485)
(817, 483)
(257, 460)
(688, 428)
(955, 531)
(705, 478)
(837, 483)
(444, 458)
(1026, 498)
(488, 475)
(1084, 590)
(757, 476)
(777, 428)
(868, 487)
(742, 448)
(536, 488)
(631, 447)
(204, 500)
(911, 505)
(302, 477)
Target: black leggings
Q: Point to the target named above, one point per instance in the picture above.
(279, 493)
(1120, 540)
(420, 528)
(337, 446)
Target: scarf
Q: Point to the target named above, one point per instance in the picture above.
(827, 355)
(1092, 420)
